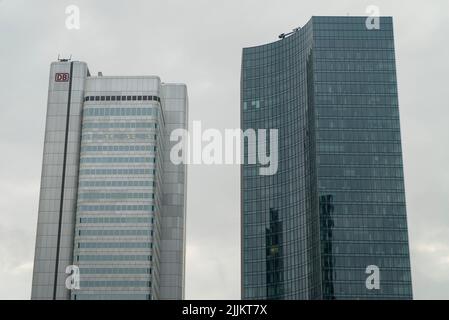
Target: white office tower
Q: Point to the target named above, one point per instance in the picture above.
(112, 204)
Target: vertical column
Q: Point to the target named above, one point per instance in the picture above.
(79, 75)
(59, 180)
(172, 260)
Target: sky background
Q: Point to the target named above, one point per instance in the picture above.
(199, 42)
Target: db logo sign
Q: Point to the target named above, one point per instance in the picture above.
(62, 77)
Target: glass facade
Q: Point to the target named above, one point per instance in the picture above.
(124, 235)
(337, 203)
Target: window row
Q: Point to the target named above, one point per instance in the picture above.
(351, 55)
(117, 171)
(118, 136)
(361, 172)
(115, 270)
(102, 112)
(355, 88)
(372, 249)
(367, 103)
(119, 148)
(355, 65)
(356, 77)
(118, 160)
(122, 98)
(145, 232)
(272, 117)
(112, 208)
(115, 245)
(119, 125)
(357, 123)
(358, 234)
(359, 184)
(116, 195)
(337, 147)
(359, 159)
(114, 258)
(358, 135)
(348, 23)
(114, 283)
(100, 183)
(340, 196)
(364, 43)
(254, 219)
(116, 220)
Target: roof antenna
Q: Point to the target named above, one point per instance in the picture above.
(64, 59)
(283, 35)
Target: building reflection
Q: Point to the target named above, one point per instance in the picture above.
(328, 260)
(274, 257)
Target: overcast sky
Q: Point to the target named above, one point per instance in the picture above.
(199, 42)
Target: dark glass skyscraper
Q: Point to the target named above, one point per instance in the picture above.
(336, 204)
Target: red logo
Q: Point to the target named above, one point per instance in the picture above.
(62, 77)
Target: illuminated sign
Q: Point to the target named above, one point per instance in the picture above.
(62, 77)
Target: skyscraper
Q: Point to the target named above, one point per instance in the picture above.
(111, 202)
(335, 211)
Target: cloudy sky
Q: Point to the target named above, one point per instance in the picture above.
(199, 42)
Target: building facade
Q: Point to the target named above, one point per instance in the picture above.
(336, 206)
(111, 202)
